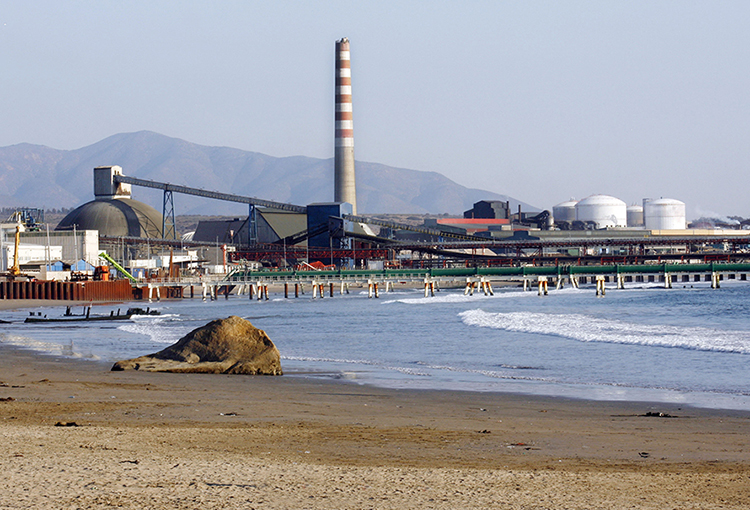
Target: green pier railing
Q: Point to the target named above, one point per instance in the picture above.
(508, 273)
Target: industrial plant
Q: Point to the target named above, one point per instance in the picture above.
(602, 211)
(117, 237)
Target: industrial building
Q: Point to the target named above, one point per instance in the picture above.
(493, 209)
(604, 211)
(113, 212)
(272, 225)
(48, 255)
(284, 234)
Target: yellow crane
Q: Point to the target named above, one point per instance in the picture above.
(15, 270)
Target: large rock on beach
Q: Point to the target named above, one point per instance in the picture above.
(224, 346)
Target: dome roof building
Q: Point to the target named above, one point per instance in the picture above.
(113, 213)
(118, 217)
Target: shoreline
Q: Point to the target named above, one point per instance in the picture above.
(175, 440)
(83, 375)
(324, 376)
(303, 377)
(652, 396)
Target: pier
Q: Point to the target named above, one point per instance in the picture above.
(325, 283)
(481, 279)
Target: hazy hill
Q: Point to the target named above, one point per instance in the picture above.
(38, 176)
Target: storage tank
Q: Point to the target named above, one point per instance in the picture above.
(565, 211)
(664, 214)
(604, 210)
(635, 215)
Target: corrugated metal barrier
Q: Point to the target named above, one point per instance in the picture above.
(115, 290)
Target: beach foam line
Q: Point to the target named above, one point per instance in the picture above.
(155, 332)
(65, 349)
(494, 374)
(504, 375)
(403, 370)
(592, 329)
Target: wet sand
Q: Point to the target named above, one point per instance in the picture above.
(147, 440)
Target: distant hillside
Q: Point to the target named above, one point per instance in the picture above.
(38, 176)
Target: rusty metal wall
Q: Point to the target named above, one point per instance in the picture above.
(116, 290)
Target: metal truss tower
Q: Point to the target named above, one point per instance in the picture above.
(168, 230)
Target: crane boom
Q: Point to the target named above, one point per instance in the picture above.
(15, 270)
(117, 266)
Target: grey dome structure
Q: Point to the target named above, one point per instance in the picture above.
(118, 217)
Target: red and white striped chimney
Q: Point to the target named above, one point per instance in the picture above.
(345, 188)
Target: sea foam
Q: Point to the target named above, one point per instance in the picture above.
(592, 329)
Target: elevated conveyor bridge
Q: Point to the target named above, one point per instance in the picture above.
(412, 228)
(168, 207)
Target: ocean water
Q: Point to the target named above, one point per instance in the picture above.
(687, 345)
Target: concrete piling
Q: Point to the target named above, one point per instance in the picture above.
(372, 289)
(600, 287)
(429, 287)
(542, 283)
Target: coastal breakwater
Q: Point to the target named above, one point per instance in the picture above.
(114, 290)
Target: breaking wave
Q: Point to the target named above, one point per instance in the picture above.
(591, 329)
(459, 297)
(155, 332)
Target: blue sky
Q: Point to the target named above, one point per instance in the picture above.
(542, 101)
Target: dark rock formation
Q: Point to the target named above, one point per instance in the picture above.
(224, 346)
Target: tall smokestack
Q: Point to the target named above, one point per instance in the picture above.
(345, 188)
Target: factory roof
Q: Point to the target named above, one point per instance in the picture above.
(284, 223)
(119, 217)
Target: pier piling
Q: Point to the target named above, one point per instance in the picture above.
(543, 290)
(600, 286)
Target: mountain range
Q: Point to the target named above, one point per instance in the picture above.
(39, 176)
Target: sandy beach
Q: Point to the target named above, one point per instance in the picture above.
(76, 435)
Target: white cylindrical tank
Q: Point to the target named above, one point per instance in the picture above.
(635, 215)
(565, 211)
(604, 210)
(664, 214)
